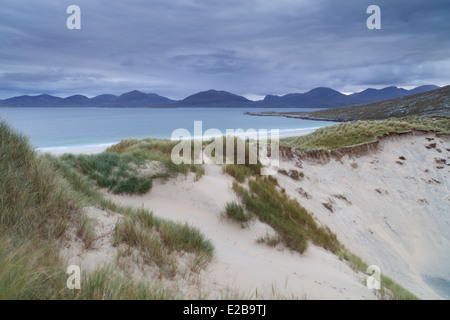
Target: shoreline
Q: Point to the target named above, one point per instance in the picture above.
(99, 148)
(81, 149)
(292, 116)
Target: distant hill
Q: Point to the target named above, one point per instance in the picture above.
(329, 98)
(372, 95)
(139, 99)
(103, 100)
(43, 100)
(430, 103)
(75, 100)
(130, 99)
(213, 98)
(316, 98)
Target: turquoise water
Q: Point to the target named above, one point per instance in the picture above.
(439, 284)
(56, 128)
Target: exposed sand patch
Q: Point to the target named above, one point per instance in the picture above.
(102, 252)
(255, 270)
(124, 259)
(150, 168)
(390, 207)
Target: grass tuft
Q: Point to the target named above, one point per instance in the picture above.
(292, 222)
(40, 197)
(234, 211)
(160, 240)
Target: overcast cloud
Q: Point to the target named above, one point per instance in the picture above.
(249, 47)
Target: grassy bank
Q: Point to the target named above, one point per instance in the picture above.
(41, 197)
(353, 133)
(130, 166)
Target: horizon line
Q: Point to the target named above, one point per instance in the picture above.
(242, 95)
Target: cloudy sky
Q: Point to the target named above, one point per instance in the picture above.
(249, 47)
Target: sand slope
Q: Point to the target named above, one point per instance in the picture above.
(241, 264)
(391, 212)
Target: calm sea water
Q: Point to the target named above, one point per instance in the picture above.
(69, 128)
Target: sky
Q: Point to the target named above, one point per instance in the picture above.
(249, 47)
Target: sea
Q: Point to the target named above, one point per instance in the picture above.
(58, 130)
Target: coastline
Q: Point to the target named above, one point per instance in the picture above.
(81, 149)
(408, 258)
(99, 148)
(293, 116)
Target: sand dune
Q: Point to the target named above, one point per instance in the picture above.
(391, 206)
(242, 264)
(388, 204)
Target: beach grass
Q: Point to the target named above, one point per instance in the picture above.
(123, 168)
(159, 240)
(41, 196)
(160, 150)
(293, 223)
(235, 212)
(359, 132)
(112, 171)
(394, 290)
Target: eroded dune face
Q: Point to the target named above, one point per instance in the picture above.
(389, 203)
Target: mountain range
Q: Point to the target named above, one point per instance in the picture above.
(316, 98)
(424, 104)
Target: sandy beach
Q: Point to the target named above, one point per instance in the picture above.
(89, 149)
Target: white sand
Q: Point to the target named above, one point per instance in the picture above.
(405, 227)
(241, 263)
(102, 252)
(392, 215)
(88, 149)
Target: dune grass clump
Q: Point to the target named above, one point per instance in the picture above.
(107, 284)
(157, 150)
(36, 207)
(160, 240)
(292, 222)
(119, 174)
(41, 196)
(31, 194)
(248, 168)
(120, 168)
(235, 212)
(358, 132)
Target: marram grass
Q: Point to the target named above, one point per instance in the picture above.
(352, 133)
(40, 196)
